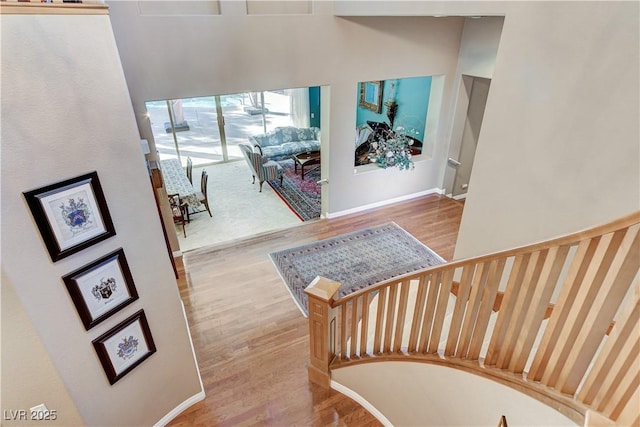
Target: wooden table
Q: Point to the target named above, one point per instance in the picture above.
(306, 159)
(176, 182)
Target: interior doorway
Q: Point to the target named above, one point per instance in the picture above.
(472, 99)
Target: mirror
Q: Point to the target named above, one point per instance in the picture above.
(371, 96)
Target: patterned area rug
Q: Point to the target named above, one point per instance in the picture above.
(356, 260)
(302, 196)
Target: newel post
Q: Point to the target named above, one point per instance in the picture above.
(321, 328)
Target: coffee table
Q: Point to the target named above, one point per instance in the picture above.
(305, 160)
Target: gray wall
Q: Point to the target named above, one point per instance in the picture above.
(66, 112)
(559, 146)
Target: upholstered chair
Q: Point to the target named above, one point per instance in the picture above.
(261, 166)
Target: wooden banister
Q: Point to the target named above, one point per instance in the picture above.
(556, 320)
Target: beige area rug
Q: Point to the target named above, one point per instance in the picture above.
(239, 209)
(357, 260)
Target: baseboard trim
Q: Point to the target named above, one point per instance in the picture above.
(180, 408)
(193, 399)
(177, 254)
(362, 401)
(385, 202)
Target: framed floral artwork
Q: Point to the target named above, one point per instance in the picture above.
(101, 288)
(71, 215)
(124, 347)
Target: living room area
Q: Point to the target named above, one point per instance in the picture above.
(237, 141)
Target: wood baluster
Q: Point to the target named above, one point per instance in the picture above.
(464, 289)
(353, 342)
(441, 310)
(344, 332)
(417, 314)
(364, 327)
(377, 339)
(391, 308)
(400, 314)
(429, 310)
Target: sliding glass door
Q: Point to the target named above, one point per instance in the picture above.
(208, 129)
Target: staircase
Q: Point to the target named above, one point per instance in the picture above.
(557, 320)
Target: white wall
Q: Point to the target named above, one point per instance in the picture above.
(443, 396)
(172, 57)
(66, 112)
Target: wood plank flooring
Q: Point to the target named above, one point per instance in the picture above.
(251, 341)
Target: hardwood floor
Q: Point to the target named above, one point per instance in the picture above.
(251, 340)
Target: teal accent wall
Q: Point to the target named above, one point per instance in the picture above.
(412, 97)
(314, 106)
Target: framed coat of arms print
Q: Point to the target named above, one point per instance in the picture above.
(101, 288)
(125, 346)
(71, 215)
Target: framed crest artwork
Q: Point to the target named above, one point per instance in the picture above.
(125, 346)
(101, 288)
(71, 215)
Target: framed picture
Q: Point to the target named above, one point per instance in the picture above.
(71, 215)
(101, 288)
(371, 96)
(125, 346)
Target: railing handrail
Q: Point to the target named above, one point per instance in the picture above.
(568, 239)
(565, 332)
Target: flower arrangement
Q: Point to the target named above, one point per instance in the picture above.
(392, 148)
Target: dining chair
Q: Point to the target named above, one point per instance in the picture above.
(178, 210)
(202, 194)
(190, 170)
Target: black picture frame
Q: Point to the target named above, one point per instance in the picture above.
(371, 96)
(101, 288)
(71, 214)
(125, 346)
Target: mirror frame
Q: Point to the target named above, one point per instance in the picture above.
(371, 96)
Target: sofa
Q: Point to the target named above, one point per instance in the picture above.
(285, 142)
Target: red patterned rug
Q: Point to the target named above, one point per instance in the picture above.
(301, 195)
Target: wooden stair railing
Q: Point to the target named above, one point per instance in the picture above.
(566, 331)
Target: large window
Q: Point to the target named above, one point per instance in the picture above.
(208, 129)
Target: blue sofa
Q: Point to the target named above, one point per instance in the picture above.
(286, 142)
